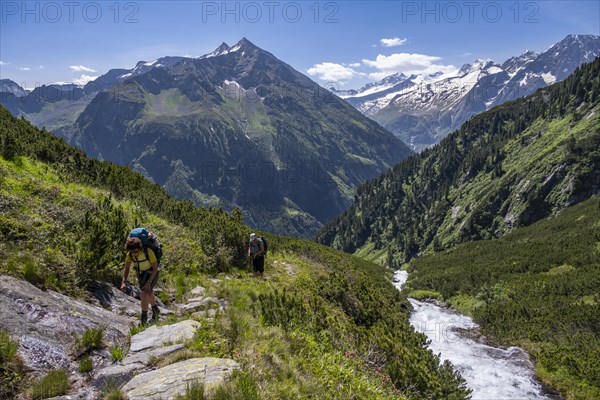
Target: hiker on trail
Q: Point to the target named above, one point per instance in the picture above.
(146, 267)
(256, 250)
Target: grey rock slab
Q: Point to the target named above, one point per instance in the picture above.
(202, 303)
(116, 374)
(47, 323)
(156, 336)
(144, 356)
(122, 372)
(168, 382)
(197, 291)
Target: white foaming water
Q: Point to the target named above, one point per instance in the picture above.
(491, 373)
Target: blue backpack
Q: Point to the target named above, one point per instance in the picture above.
(149, 241)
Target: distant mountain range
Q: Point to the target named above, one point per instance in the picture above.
(504, 168)
(236, 127)
(422, 109)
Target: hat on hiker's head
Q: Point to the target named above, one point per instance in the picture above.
(252, 236)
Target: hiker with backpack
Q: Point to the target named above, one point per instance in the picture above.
(145, 257)
(257, 250)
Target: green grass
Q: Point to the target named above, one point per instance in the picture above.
(8, 347)
(242, 386)
(464, 303)
(12, 370)
(111, 391)
(117, 353)
(425, 295)
(368, 252)
(54, 383)
(86, 364)
(194, 391)
(91, 339)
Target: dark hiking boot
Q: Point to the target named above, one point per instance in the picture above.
(155, 313)
(144, 317)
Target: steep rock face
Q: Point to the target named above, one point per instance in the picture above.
(11, 87)
(243, 126)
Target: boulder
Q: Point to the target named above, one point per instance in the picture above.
(168, 382)
(156, 336)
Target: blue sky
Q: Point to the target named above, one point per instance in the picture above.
(346, 42)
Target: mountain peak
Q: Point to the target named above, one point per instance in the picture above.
(8, 86)
(222, 48)
(244, 45)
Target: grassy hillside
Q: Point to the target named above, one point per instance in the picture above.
(537, 287)
(322, 325)
(508, 167)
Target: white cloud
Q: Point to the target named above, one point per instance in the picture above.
(81, 68)
(24, 69)
(332, 72)
(406, 63)
(83, 79)
(354, 65)
(393, 42)
(3, 63)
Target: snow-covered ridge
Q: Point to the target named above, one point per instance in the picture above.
(453, 97)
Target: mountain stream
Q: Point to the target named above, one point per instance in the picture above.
(490, 372)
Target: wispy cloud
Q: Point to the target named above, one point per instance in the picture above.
(393, 42)
(328, 71)
(468, 54)
(3, 63)
(24, 69)
(81, 68)
(406, 63)
(83, 79)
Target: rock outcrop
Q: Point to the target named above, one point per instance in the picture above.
(47, 324)
(168, 382)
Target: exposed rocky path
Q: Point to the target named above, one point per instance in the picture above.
(47, 325)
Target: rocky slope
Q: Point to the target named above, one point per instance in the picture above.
(48, 324)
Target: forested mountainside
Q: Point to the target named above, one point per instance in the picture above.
(508, 167)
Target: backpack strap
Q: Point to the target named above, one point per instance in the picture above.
(137, 262)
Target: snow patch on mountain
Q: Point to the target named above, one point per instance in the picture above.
(548, 78)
